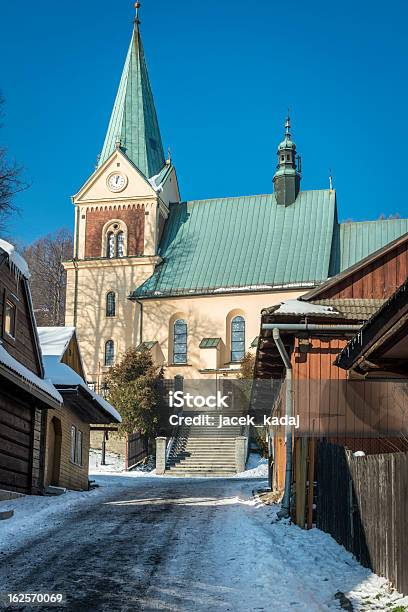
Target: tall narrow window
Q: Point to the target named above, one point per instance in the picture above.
(237, 338)
(110, 245)
(120, 244)
(10, 318)
(110, 304)
(79, 448)
(73, 443)
(109, 353)
(180, 342)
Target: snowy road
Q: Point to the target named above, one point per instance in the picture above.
(176, 544)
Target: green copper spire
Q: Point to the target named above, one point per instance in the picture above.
(287, 176)
(133, 125)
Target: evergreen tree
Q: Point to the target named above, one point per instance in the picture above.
(134, 389)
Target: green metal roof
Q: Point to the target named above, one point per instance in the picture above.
(134, 121)
(248, 243)
(254, 342)
(149, 344)
(210, 342)
(354, 241)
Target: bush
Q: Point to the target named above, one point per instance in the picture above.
(133, 385)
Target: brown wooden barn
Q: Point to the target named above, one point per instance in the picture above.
(311, 332)
(25, 395)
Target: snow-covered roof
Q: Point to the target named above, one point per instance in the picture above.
(62, 375)
(54, 340)
(298, 307)
(17, 262)
(27, 375)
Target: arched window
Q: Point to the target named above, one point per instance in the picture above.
(110, 245)
(237, 338)
(180, 341)
(115, 239)
(109, 353)
(110, 304)
(120, 244)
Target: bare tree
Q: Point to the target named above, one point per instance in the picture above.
(48, 277)
(10, 178)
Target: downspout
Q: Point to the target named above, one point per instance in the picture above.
(285, 510)
(74, 261)
(141, 321)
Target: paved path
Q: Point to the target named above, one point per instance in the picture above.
(173, 544)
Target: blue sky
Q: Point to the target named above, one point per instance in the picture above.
(223, 74)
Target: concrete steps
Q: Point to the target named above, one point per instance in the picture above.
(203, 451)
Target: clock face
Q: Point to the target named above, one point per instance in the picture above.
(117, 181)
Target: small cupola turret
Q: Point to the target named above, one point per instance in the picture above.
(287, 176)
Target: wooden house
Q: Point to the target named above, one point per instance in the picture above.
(313, 330)
(25, 394)
(68, 426)
(380, 349)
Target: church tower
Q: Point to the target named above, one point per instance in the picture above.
(120, 214)
(287, 176)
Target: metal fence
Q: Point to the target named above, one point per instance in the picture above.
(137, 449)
(362, 502)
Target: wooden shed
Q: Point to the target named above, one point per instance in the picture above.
(25, 394)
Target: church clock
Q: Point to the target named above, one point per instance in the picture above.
(117, 181)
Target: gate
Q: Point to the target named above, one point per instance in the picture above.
(137, 449)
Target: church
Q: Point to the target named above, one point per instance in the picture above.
(188, 280)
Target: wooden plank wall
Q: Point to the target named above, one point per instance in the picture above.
(16, 439)
(377, 280)
(364, 415)
(362, 503)
(23, 348)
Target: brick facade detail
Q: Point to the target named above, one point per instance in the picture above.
(133, 217)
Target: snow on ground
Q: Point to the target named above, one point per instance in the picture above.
(34, 514)
(245, 560)
(256, 466)
(114, 462)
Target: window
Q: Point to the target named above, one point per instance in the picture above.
(110, 304)
(180, 342)
(115, 241)
(73, 443)
(79, 447)
(237, 339)
(109, 353)
(110, 245)
(10, 318)
(76, 445)
(120, 244)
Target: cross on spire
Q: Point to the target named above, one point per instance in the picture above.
(287, 125)
(137, 7)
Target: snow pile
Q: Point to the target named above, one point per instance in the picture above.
(256, 467)
(44, 384)
(17, 263)
(297, 307)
